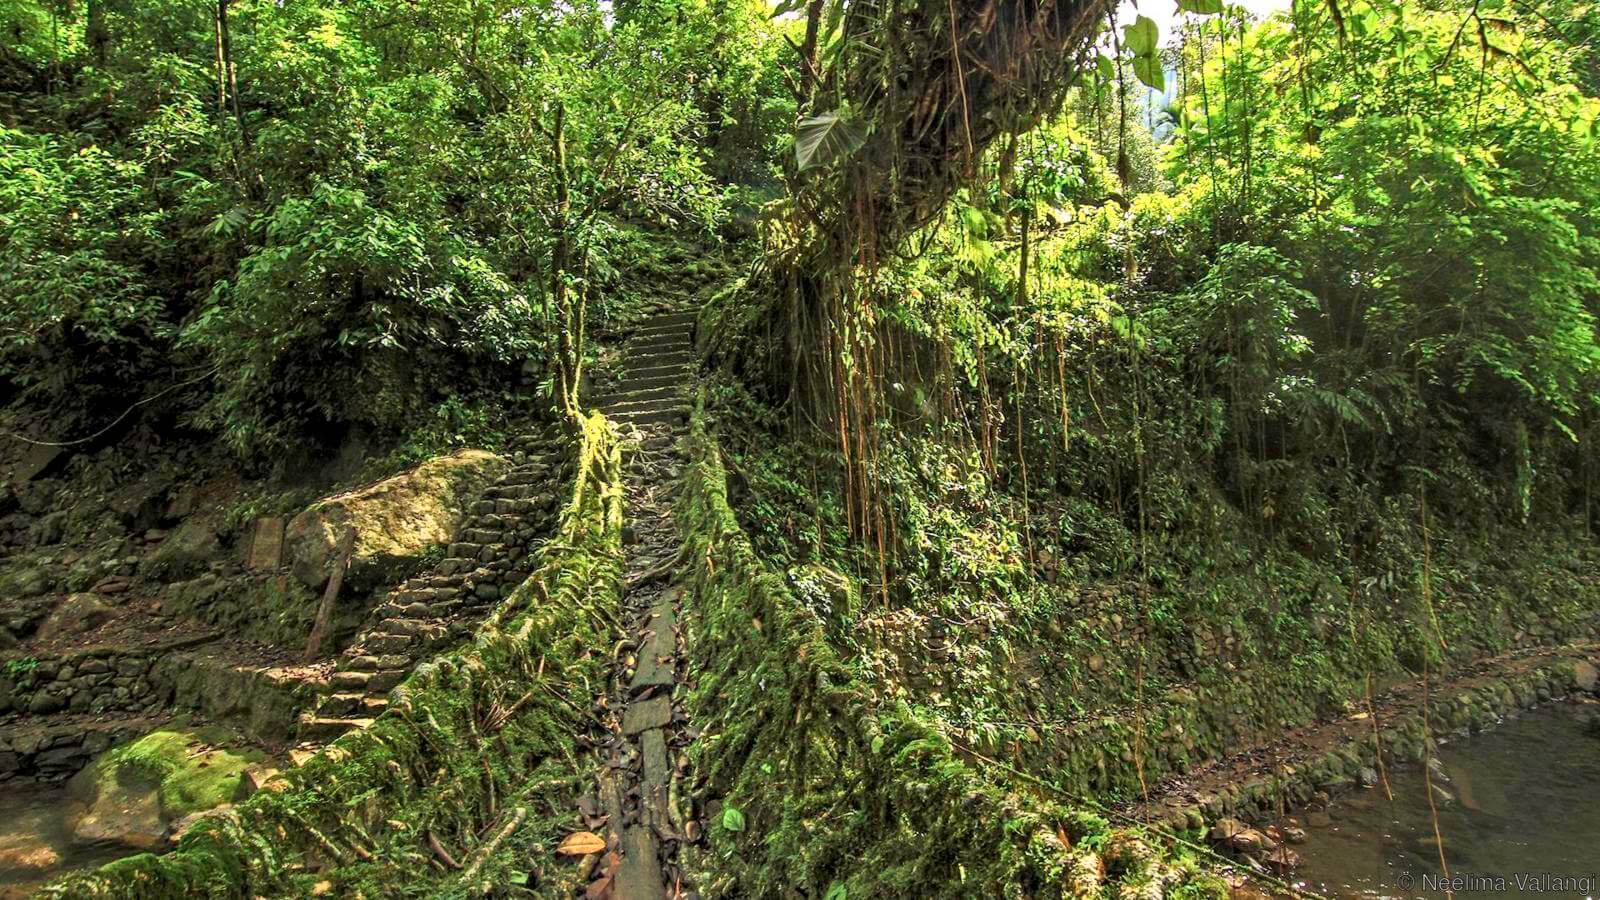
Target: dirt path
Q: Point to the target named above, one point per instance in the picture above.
(641, 761)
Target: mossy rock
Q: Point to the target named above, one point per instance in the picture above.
(188, 551)
(24, 580)
(131, 794)
(399, 522)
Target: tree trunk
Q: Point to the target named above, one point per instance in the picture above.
(567, 346)
(227, 70)
(95, 33)
(324, 620)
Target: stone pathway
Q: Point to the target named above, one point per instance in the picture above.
(491, 555)
(642, 758)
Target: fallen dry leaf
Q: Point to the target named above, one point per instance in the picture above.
(580, 843)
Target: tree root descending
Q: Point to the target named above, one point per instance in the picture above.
(824, 789)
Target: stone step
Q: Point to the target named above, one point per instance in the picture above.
(656, 346)
(351, 704)
(629, 394)
(681, 317)
(495, 521)
(655, 379)
(511, 492)
(649, 334)
(654, 360)
(651, 329)
(663, 417)
(677, 402)
(415, 609)
(535, 476)
(677, 372)
(327, 728)
(383, 644)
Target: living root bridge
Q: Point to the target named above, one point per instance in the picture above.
(473, 770)
(840, 794)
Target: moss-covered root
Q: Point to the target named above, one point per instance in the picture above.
(473, 767)
(840, 795)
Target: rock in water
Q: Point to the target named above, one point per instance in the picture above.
(1283, 861)
(396, 520)
(122, 811)
(133, 794)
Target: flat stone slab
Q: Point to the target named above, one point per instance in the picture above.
(657, 762)
(266, 545)
(646, 714)
(655, 667)
(639, 876)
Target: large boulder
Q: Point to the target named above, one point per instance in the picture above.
(78, 614)
(186, 552)
(131, 795)
(396, 520)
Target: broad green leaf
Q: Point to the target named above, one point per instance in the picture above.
(732, 819)
(1148, 70)
(1201, 7)
(1141, 36)
(1107, 70)
(821, 140)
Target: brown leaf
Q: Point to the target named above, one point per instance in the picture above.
(580, 843)
(600, 888)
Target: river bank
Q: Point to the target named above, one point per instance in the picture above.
(1242, 802)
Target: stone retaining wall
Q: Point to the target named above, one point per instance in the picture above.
(55, 752)
(90, 680)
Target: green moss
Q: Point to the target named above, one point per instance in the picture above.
(844, 793)
(193, 774)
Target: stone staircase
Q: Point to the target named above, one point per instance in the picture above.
(638, 772)
(492, 553)
(658, 366)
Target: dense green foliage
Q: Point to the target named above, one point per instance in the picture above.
(296, 199)
(1069, 426)
(1312, 402)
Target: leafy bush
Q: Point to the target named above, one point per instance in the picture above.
(74, 301)
(345, 294)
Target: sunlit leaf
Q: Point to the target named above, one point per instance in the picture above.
(1141, 36)
(825, 139)
(1148, 70)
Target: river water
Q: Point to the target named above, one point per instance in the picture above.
(1524, 820)
(35, 843)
